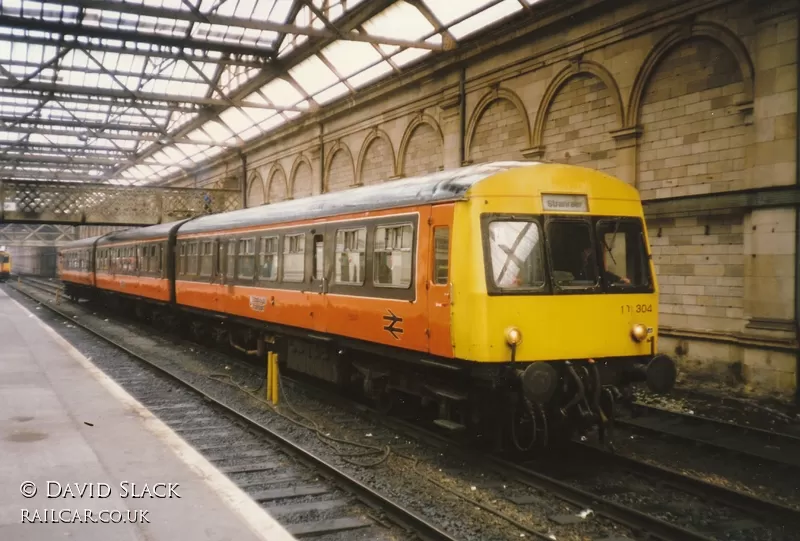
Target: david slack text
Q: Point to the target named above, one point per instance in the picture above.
(103, 490)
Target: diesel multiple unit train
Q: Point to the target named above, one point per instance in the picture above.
(5, 265)
(513, 299)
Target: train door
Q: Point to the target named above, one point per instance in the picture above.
(438, 282)
(320, 265)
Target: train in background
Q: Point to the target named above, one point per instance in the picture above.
(516, 301)
(5, 265)
(40, 261)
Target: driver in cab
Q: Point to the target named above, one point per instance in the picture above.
(586, 271)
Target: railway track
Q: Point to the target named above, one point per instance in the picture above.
(308, 495)
(615, 496)
(596, 478)
(767, 445)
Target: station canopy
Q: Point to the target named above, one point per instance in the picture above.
(134, 92)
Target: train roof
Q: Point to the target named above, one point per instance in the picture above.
(80, 243)
(436, 187)
(150, 232)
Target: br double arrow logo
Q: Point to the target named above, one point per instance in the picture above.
(393, 326)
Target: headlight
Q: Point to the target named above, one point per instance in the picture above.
(639, 332)
(513, 336)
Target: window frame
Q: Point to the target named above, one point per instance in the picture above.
(201, 257)
(344, 231)
(240, 255)
(412, 250)
(493, 289)
(590, 222)
(617, 289)
(262, 238)
(286, 237)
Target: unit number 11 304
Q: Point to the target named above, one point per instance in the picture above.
(636, 308)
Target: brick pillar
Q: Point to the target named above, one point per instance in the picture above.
(317, 168)
(626, 140)
(774, 111)
(449, 110)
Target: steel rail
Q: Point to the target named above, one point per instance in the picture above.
(397, 513)
(723, 435)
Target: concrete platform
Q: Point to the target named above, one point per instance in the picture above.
(48, 391)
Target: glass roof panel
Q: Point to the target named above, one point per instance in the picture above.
(485, 18)
(313, 75)
(281, 93)
(400, 21)
(127, 83)
(349, 57)
(330, 94)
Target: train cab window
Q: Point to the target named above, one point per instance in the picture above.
(624, 263)
(230, 263)
(572, 254)
(516, 255)
(351, 247)
(247, 258)
(393, 257)
(206, 257)
(191, 256)
(441, 254)
(294, 250)
(268, 259)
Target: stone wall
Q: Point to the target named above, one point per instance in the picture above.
(680, 99)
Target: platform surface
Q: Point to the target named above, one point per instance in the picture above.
(48, 390)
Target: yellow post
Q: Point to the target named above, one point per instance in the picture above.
(275, 378)
(269, 376)
(58, 296)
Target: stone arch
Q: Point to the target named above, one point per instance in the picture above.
(255, 190)
(299, 167)
(420, 122)
(374, 137)
(685, 33)
(338, 168)
(491, 98)
(277, 187)
(563, 77)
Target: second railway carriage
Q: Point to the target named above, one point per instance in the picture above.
(75, 265)
(137, 262)
(517, 295)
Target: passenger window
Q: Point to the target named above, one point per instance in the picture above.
(206, 258)
(351, 246)
(294, 250)
(393, 256)
(441, 254)
(182, 259)
(247, 258)
(268, 259)
(230, 263)
(155, 258)
(191, 254)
